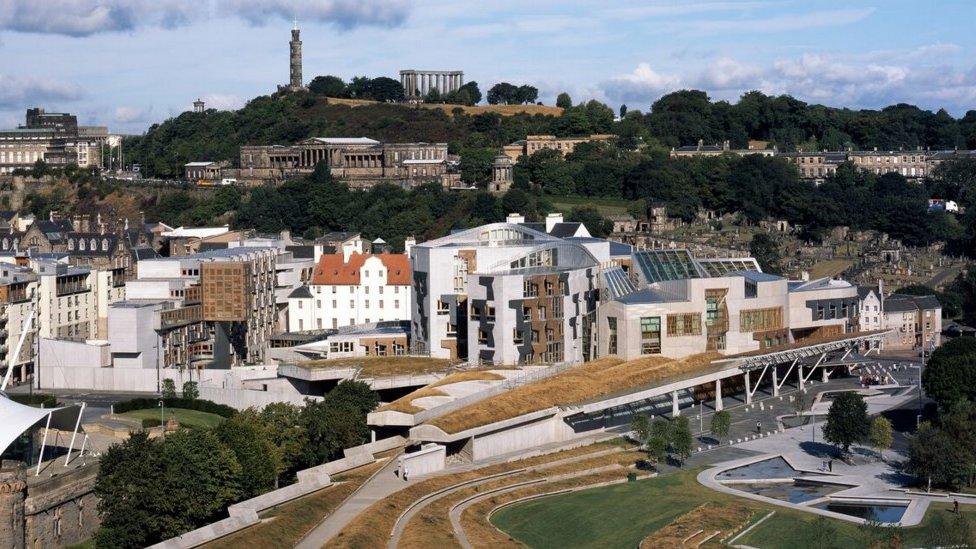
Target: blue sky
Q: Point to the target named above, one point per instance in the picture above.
(129, 63)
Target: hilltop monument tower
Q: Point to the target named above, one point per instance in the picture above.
(295, 60)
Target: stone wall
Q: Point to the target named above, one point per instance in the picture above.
(50, 510)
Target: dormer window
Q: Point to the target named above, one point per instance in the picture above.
(104, 244)
(71, 244)
(81, 245)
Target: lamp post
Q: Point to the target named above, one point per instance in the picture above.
(162, 411)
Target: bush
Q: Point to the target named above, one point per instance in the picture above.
(197, 404)
(42, 400)
(151, 422)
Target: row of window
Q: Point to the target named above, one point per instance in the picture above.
(352, 304)
(352, 289)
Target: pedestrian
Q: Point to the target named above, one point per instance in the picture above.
(955, 506)
(396, 471)
(830, 466)
(758, 426)
(404, 474)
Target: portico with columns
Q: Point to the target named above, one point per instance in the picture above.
(417, 83)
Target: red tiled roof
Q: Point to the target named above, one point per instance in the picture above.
(332, 271)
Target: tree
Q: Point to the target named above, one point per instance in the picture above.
(847, 420)
(502, 93)
(168, 388)
(281, 420)
(474, 94)
(355, 393)
(590, 217)
(640, 424)
(247, 437)
(331, 427)
(659, 439)
(950, 374)
(151, 490)
(681, 439)
(328, 86)
(721, 422)
(433, 96)
(564, 101)
(765, 249)
(385, 89)
(190, 390)
(526, 94)
(623, 111)
(881, 435)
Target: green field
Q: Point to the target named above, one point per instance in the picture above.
(624, 514)
(606, 206)
(187, 418)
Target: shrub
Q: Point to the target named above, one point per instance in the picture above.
(43, 400)
(150, 422)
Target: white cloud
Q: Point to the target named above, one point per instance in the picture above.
(87, 17)
(129, 115)
(18, 91)
(778, 23)
(346, 14)
(857, 81)
(642, 84)
(223, 102)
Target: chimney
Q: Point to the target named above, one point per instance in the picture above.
(701, 143)
(101, 226)
(552, 219)
(408, 244)
(348, 248)
(76, 223)
(98, 218)
(285, 235)
(515, 218)
(725, 145)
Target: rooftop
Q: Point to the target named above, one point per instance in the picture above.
(576, 385)
(383, 366)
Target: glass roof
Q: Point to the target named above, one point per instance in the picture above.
(662, 265)
(721, 267)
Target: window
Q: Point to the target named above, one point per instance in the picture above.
(489, 313)
(299, 304)
(352, 303)
(755, 320)
(526, 314)
(482, 336)
(530, 290)
(684, 324)
(443, 308)
(650, 335)
(335, 304)
(381, 304)
(335, 323)
(611, 335)
(318, 303)
(549, 287)
(517, 337)
(396, 303)
(542, 313)
(451, 329)
(366, 304)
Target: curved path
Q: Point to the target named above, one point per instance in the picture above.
(458, 508)
(418, 505)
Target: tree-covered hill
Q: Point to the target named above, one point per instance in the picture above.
(679, 118)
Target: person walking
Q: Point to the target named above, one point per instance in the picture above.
(955, 506)
(758, 426)
(404, 474)
(830, 466)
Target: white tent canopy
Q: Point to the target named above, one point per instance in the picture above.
(15, 418)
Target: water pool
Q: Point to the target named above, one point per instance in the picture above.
(793, 492)
(877, 513)
(768, 468)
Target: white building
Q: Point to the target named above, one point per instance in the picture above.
(870, 314)
(351, 288)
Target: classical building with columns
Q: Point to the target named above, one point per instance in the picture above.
(535, 143)
(360, 161)
(419, 83)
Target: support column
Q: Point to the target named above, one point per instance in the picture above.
(675, 411)
(748, 387)
(824, 376)
(799, 376)
(718, 395)
(775, 382)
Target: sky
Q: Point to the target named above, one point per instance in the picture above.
(131, 63)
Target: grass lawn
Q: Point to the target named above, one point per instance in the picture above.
(383, 366)
(606, 206)
(187, 418)
(832, 267)
(622, 515)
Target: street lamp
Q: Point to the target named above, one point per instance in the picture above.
(162, 411)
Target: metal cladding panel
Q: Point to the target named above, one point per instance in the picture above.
(227, 290)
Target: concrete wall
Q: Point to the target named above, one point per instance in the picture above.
(430, 459)
(529, 435)
(74, 354)
(133, 337)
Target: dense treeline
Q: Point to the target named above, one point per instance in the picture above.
(150, 490)
(679, 118)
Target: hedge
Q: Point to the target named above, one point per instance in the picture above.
(36, 399)
(189, 404)
(150, 422)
